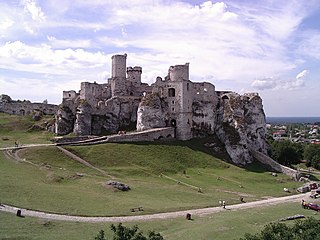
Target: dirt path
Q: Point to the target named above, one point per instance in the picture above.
(84, 162)
(168, 215)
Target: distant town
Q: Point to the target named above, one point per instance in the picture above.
(295, 132)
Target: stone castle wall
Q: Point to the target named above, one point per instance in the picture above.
(7, 105)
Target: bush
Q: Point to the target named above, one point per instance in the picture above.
(308, 229)
(286, 152)
(312, 155)
(121, 232)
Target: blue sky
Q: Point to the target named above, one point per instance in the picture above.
(271, 47)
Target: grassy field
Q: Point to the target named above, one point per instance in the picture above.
(54, 184)
(17, 128)
(219, 226)
(162, 176)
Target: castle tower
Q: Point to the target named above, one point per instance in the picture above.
(119, 63)
(179, 72)
(118, 76)
(134, 75)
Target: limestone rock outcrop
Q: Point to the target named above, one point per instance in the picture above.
(64, 120)
(241, 126)
(107, 117)
(237, 120)
(152, 112)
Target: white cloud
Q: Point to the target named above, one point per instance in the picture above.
(302, 74)
(234, 41)
(6, 23)
(43, 59)
(67, 43)
(32, 8)
(263, 84)
(310, 45)
(278, 83)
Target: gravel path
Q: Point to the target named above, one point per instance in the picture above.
(194, 212)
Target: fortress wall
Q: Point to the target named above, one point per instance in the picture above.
(148, 135)
(93, 92)
(69, 95)
(264, 159)
(27, 108)
(204, 92)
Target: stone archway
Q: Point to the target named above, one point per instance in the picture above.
(22, 112)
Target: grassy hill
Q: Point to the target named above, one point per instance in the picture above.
(19, 128)
(163, 176)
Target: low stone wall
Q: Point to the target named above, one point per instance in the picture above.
(264, 159)
(147, 135)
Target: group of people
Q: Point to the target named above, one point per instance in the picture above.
(222, 204)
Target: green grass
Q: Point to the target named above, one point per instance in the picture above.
(53, 186)
(161, 176)
(15, 128)
(218, 226)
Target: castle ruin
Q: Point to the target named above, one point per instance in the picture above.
(193, 109)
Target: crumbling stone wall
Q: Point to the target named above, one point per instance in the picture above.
(17, 107)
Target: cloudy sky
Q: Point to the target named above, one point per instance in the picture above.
(267, 46)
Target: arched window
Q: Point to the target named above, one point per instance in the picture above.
(225, 97)
(173, 123)
(171, 92)
(22, 112)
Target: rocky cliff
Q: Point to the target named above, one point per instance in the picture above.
(238, 121)
(81, 118)
(152, 112)
(241, 126)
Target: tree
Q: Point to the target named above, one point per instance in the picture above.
(126, 233)
(100, 236)
(286, 152)
(312, 155)
(121, 232)
(302, 230)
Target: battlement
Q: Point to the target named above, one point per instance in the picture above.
(134, 69)
(179, 72)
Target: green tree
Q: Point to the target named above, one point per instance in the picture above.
(286, 152)
(100, 236)
(121, 232)
(312, 155)
(308, 229)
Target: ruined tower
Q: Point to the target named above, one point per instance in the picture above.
(118, 76)
(134, 75)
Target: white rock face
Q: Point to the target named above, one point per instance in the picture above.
(237, 120)
(241, 126)
(152, 113)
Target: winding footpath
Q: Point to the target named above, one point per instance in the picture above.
(195, 212)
